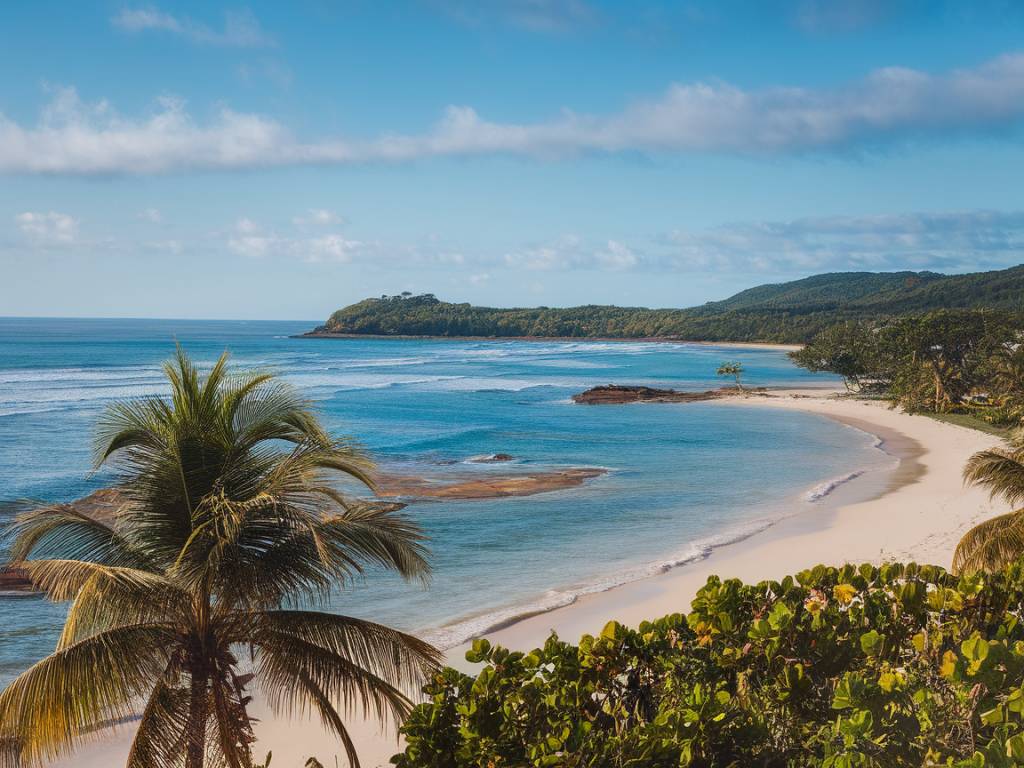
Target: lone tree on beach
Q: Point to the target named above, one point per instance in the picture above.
(188, 597)
(999, 541)
(733, 369)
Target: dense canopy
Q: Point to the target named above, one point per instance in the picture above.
(786, 312)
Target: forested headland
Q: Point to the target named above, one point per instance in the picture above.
(792, 312)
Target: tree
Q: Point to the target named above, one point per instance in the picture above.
(849, 349)
(733, 369)
(1008, 379)
(998, 541)
(941, 356)
(223, 544)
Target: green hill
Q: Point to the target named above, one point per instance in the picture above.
(784, 312)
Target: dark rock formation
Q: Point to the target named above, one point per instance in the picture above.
(614, 394)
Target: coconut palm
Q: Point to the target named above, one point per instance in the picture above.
(999, 541)
(230, 531)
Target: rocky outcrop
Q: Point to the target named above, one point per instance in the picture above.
(494, 458)
(614, 394)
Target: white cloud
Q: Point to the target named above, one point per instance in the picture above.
(240, 29)
(891, 104)
(317, 217)
(250, 239)
(49, 228)
(573, 252)
(328, 248)
(247, 239)
(152, 215)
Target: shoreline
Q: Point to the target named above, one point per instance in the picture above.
(917, 512)
(883, 526)
(644, 339)
(816, 507)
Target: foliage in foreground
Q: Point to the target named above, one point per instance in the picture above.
(899, 665)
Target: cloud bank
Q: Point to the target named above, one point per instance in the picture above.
(889, 105)
(946, 241)
(952, 241)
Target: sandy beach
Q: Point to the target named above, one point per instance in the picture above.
(916, 511)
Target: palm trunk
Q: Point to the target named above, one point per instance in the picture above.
(940, 388)
(198, 714)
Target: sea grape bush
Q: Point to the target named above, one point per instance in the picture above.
(898, 665)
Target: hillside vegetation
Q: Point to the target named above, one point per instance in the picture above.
(790, 312)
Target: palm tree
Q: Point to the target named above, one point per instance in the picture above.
(732, 369)
(999, 541)
(230, 532)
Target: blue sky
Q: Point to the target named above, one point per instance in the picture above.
(279, 160)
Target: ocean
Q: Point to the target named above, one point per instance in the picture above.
(682, 478)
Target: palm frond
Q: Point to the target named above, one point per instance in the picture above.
(63, 531)
(160, 737)
(133, 425)
(402, 660)
(65, 696)
(1000, 470)
(233, 731)
(381, 535)
(330, 717)
(991, 545)
(283, 661)
(106, 598)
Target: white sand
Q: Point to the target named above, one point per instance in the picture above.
(919, 513)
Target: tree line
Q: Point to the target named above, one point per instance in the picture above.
(428, 316)
(792, 312)
(968, 361)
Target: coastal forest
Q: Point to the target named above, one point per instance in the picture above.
(792, 312)
(945, 361)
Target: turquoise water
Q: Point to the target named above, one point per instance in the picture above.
(682, 479)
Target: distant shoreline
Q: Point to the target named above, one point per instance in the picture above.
(633, 340)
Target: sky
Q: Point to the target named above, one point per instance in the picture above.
(280, 160)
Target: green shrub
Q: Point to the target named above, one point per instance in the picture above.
(898, 665)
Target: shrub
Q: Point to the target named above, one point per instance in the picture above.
(898, 665)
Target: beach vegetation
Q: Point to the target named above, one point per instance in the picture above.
(733, 370)
(946, 361)
(892, 665)
(234, 528)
